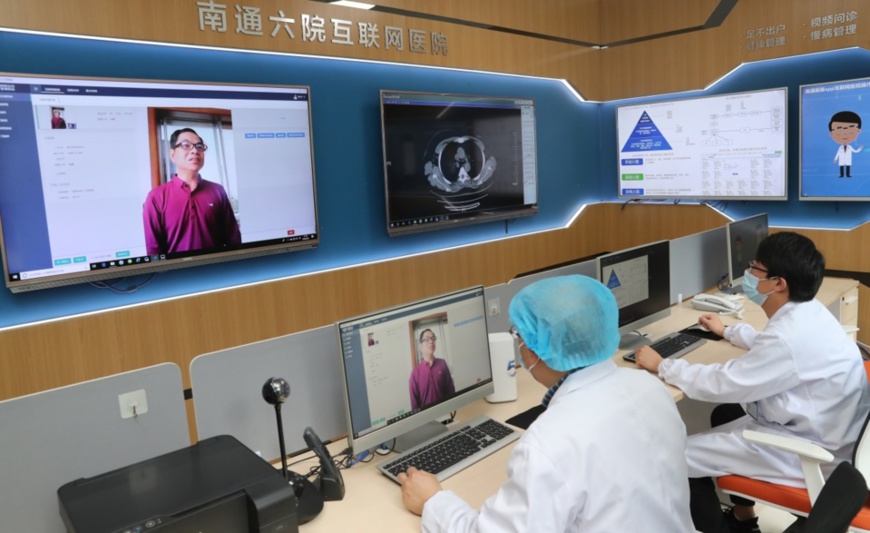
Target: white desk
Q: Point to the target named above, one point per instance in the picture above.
(374, 503)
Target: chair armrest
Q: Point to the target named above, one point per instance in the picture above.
(789, 444)
(811, 457)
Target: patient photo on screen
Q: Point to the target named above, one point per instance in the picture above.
(193, 203)
(57, 120)
(430, 380)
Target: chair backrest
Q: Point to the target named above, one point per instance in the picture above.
(839, 501)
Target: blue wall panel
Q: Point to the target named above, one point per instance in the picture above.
(347, 156)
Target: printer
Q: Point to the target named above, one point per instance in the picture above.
(215, 486)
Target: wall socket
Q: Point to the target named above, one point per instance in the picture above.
(494, 307)
(133, 404)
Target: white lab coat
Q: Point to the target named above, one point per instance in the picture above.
(607, 455)
(844, 157)
(804, 376)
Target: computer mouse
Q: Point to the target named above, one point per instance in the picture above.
(309, 502)
(699, 327)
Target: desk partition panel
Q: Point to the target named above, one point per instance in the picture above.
(227, 391)
(698, 262)
(500, 296)
(57, 436)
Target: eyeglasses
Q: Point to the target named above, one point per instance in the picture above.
(187, 145)
(516, 335)
(433, 338)
(752, 266)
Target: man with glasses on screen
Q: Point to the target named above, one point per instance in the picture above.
(430, 380)
(607, 453)
(188, 212)
(802, 376)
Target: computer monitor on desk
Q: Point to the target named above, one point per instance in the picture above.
(743, 238)
(387, 396)
(640, 280)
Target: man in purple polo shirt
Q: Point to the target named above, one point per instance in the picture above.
(430, 379)
(188, 212)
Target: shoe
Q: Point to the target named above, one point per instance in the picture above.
(740, 526)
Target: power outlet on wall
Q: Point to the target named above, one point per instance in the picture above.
(133, 404)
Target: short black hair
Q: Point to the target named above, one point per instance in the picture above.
(424, 332)
(848, 117)
(173, 139)
(793, 257)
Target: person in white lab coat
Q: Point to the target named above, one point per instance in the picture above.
(802, 376)
(608, 452)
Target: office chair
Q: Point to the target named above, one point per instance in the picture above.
(843, 495)
(800, 502)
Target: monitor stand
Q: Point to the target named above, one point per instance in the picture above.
(419, 435)
(633, 341)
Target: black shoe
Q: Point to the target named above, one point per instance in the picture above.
(740, 526)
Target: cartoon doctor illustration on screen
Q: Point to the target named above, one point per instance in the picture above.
(845, 127)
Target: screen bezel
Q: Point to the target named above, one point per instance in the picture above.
(429, 413)
(479, 216)
(663, 311)
(732, 281)
(801, 196)
(187, 259)
(784, 197)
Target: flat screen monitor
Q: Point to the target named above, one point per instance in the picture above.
(832, 164)
(721, 147)
(453, 159)
(640, 280)
(91, 189)
(743, 238)
(406, 366)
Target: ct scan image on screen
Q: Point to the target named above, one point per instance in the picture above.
(450, 159)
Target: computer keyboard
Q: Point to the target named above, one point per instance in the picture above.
(446, 455)
(674, 345)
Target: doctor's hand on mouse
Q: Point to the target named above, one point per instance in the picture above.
(712, 323)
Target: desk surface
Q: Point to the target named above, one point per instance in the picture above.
(372, 498)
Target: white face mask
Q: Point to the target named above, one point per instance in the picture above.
(750, 288)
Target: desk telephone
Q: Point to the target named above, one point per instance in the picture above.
(716, 304)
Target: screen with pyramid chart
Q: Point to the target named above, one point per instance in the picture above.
(728, 146)
(639, 279)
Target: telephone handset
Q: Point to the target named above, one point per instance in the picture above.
(716, 304)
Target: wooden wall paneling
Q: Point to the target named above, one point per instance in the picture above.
(178, 22)
(630, 19)
(61, 352)
(692, 61)
(570, 19)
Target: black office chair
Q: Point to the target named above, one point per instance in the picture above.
(839, 501)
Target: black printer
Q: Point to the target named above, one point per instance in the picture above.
(217, 486)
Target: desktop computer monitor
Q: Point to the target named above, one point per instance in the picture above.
(390, 389)
(743, 238)
(640, 280)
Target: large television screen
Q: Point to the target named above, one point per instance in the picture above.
(106, 178)
(833, 163)
(722, 147)
(457, 159)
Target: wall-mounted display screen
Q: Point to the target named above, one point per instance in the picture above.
(722, 147)
(105, 178)
(834, 165)
(455, 159)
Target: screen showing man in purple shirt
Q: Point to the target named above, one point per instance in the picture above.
(430, 380)
(188, 212)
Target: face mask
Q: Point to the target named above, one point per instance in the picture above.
(522, 362)
(750, 288)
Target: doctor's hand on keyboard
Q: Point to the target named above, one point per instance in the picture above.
(417, 487)
(648, 359)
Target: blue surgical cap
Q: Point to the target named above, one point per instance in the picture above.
(569, 321)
